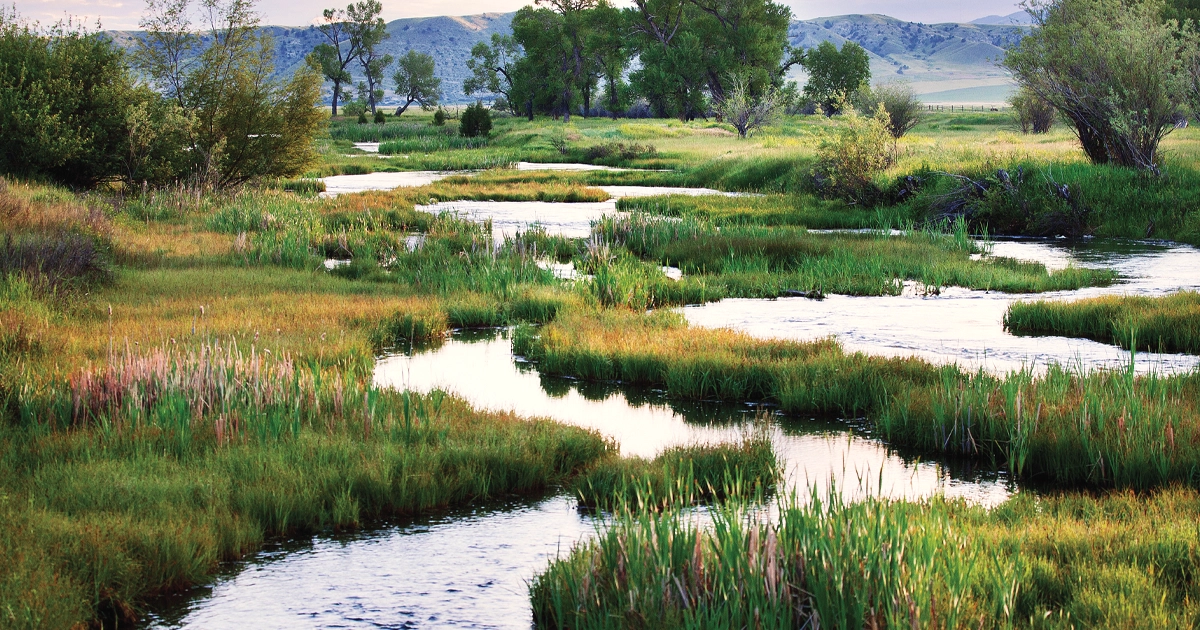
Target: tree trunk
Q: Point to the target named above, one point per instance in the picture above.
(337, 90)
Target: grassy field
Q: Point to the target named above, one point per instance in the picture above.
(182, 378)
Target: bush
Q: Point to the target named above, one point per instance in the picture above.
(380, 117)
(858, 150)
(475, 121)
(362, 118)
(1034, 113)
(621, 150)
(439, 117)
(903, 107)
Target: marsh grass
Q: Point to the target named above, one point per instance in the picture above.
(758, 261)
(1100, 429)
(140, 476)
(682, 476)
(1169, 323)
(1056, 561)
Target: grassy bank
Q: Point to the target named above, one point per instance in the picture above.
(682, 476)
(1057, 561)
(1100, 428)
(1157, 324)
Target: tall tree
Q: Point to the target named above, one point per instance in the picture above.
(245, 123)
(1115, 69)
(610, 55)
(336, 55)
(573, 61)
(367, 32)
(834, 75)
(493, 68)
(415, 81)
(543, 82)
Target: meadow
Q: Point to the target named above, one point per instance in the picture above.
(182, 378)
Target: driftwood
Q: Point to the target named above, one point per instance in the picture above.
(967, 201)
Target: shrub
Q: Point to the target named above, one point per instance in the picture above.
(439, 117)
(475, 121)
(380, 117)
(747, 111)
(858, 150)
(1034, 113)
(362, 118)
(621, 150)
(903, 107)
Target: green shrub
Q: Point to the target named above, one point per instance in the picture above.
(852, 155)
(475, 121)
(439, 117)
(362, 118)
(380, 117)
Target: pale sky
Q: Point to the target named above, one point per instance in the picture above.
(124, 14)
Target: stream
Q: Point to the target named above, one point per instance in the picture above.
(470, 567)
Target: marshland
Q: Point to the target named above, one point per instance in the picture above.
(594, 351)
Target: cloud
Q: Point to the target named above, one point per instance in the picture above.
(125, 14)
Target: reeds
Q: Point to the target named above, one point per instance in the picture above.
(1168, 323)
(1042, 561)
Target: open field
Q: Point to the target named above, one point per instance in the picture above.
(182, 377)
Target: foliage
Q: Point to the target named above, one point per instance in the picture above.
(903, 108)
(833, 74)
(1034, 114)
(245, 123)
(338, 51)
(475, 121)
(439, 117)
(415, 81)
(856, 151)
(366, 32)
(492, 67)
(1115, 70)
(748, 112)
(71, 111)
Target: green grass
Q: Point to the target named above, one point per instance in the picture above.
(1100, 429)
(757, 261)
(1158, 324)
(682, 476)
(1057, 561)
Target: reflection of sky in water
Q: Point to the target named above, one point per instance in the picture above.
(471, 568)
(967, 326)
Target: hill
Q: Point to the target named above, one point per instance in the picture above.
(948, 61)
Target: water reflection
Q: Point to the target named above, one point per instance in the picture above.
(966, 327)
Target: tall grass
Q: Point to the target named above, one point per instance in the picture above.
(141, 476)
(682, 476)
(758, 261)
(1055, 561)
(1105, 428)
(1164, 324)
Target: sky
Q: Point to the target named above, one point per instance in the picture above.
(125, 14)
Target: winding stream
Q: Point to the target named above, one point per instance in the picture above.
(470, 567)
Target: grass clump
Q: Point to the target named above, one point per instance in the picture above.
(681, 476)
(1158, 324)
(758, 261)
(1059, 561)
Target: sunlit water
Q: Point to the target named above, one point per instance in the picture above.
(344, 184)
(471, 569)
(966, 327)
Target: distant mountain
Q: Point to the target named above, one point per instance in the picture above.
(1020, 18)
(953, 61)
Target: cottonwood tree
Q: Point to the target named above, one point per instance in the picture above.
(493, 68)
(1116, 70)
(338, 53)
(244, 123)
(609, 51)
(834, 73)
(415, 81)
(367, 32)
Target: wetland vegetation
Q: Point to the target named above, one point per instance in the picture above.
(188, 344)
